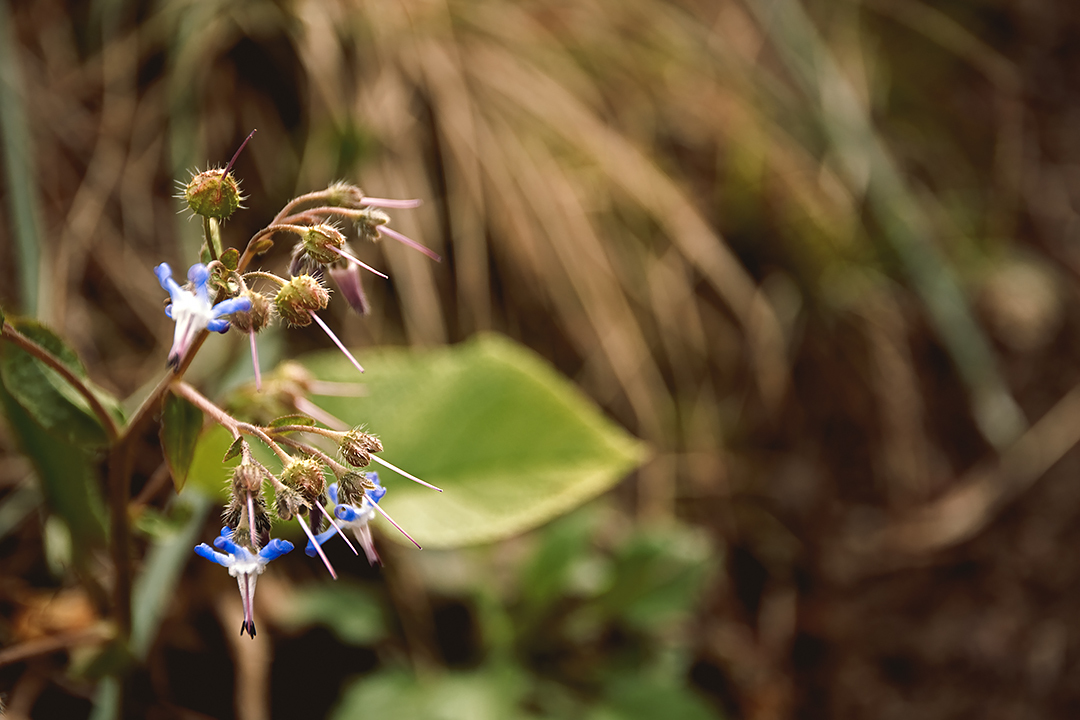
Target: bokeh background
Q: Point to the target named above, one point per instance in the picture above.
(821, 256)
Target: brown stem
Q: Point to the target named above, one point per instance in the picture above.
(107, 421)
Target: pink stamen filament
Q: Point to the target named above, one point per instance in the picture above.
(309, 408)
(251, 519)
(237, 153)
(364, 265)
(401, 472)
(318, 547)
(255, 363)
(410, 242)
(390, 203)
(400, 529)
(337, 342)
(340, 532)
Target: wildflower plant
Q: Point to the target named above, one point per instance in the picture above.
(224, 293)
(291, 460)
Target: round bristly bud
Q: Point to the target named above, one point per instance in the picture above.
(305, 476)
(213, 193)
(351, 487)
(247, 478)
(289, 504)
(368, 222)
(343, 194)
(257, 317)
(320, 241)
(298, 298)
(357, 446)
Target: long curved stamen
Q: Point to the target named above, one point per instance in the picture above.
(410, 242)
(401, 472)
(333, 524)
(390, 203)
(352, 259)
(318, 547)
(337, 342)
(255, 363)
(400, 529)
(307, 407)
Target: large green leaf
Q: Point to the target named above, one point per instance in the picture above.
(512, 443)
(43, 393)
(181, 424)
(67, 474)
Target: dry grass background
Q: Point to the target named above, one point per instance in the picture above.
(821, 256)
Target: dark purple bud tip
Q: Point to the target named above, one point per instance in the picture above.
(173, 362)
(248, 627)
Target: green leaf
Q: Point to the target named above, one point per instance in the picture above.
(181, 425)
(511, 442)
(45, 395)
(67, 474)
(208, 472)
(230, 258)
(234, 449)
(634, 697)
(484, 695)
(350, 610)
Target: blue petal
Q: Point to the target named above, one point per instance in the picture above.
(227, 307)
(199, 275)
(164, 276)
(168, 311)
(218, 326)
(332, 492)
(347, 513)
(205, 551)
(275, 549)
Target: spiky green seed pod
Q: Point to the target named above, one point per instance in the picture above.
(214, 194)
(298, 298)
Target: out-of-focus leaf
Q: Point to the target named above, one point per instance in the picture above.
(67, 474)
(642, 698)
(208, 472)
(658, 575)
(181, 424)
(511, 441)
(490, 695)
(547, 573)
(43, 393)
(292, 420)
(351, 611)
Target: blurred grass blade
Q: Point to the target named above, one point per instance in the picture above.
(18, 165)
(902, 220)
(154, 587)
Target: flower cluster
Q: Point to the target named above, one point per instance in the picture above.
(222, 293)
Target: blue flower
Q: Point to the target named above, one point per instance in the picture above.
(245, 566)
(192, 310)
(355, 518)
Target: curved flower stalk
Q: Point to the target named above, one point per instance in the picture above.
(245, 566)
(192, 310)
